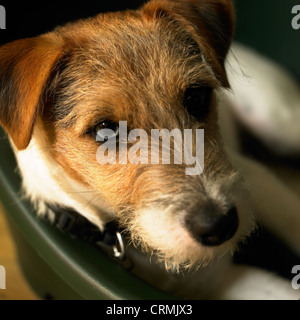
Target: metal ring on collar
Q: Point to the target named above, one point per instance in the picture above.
(119, 247)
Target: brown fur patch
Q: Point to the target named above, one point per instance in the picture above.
(25, 66)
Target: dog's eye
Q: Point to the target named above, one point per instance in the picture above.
(105, 130)
(197, 101)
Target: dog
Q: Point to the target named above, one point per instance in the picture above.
(162, 66)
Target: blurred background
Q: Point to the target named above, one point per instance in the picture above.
(263, 25)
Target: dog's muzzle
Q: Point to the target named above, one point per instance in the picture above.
(211, 226)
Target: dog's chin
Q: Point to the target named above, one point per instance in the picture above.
(162, 232)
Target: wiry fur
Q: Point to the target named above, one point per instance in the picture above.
(132, 66)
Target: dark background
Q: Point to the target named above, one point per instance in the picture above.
(262, 24)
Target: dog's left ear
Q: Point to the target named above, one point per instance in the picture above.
(210, 22)
(25, 67)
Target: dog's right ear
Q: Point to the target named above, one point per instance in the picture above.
(25, 67)
(210, 22)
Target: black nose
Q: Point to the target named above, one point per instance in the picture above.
(211, 226)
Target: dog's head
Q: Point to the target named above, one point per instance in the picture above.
(160, 67)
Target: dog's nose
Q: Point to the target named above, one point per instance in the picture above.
(211, 227)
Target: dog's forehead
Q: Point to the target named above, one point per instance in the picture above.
(129, 45)
(127, 63)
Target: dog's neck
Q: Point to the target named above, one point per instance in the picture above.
(45, 181)
(73, 223)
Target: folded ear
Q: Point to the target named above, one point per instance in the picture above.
(25, 67)
(210, 22)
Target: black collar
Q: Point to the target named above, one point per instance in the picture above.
(74, 224)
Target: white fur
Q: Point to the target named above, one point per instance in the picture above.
(44, 180)
(267, 99)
